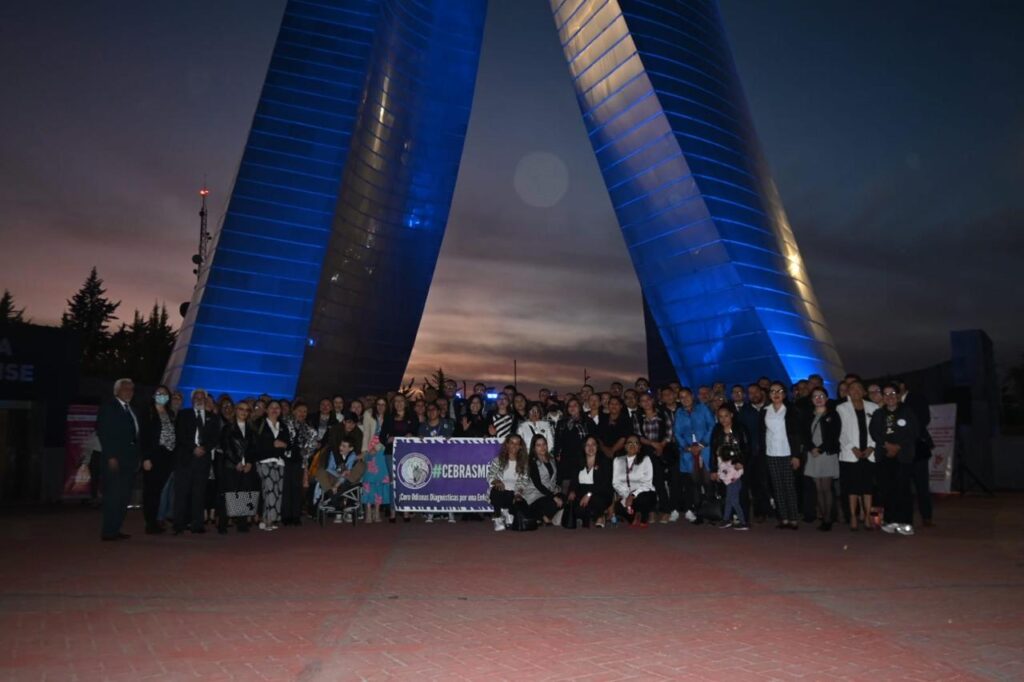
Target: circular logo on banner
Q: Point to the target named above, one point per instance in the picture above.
(414, 470)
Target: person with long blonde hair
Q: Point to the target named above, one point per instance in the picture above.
(508, 476)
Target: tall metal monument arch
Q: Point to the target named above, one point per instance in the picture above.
(322, 266)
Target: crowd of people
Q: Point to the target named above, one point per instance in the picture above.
(587, 459)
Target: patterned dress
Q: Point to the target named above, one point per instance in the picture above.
(376, 481)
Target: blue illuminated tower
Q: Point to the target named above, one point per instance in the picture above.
(325, 257)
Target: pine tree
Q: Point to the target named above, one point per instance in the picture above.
(8, 313)
(160, 338)
(89, 313)
(141, 349)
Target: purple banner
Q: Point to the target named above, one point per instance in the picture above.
(443, 475)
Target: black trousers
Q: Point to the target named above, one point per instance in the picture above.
(693, 489)
(668, 482)
(597, 506)
(922, 488)
(117, 492)
(544, 508)
(190, 481)
(506, 499)
(643, 504)
(755, 479)
(97, 467)
(894, 479)
(153, 482)
(291, 494)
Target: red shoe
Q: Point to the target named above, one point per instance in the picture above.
(644, 524)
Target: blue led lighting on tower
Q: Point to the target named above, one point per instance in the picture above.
(344, 149)
(322, 265)
(718, 265)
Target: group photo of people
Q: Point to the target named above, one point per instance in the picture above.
(765, 453)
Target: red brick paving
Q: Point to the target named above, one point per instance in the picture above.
(461, 602)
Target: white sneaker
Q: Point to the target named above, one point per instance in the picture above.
(339, 518)
(674, 516)
(507, 515)
(905, 529)
(890, 527)
(690, 516)
(499, 524)
(263, 526)
(430, 518)
(451, 517)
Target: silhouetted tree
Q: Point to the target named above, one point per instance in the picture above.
(89, 313)
(8, 313)
(141, 349)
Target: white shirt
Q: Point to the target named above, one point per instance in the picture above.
(128, 407)
(630, 478)
(586, 476)
(510, 477)
(200, 420)
(849, 435)
(776, 440)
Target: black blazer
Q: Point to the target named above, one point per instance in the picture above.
(602, 480)
(794, 430)
(831, 425)
(234, 447)
(149, 435)
(264, 440)
(117, 434)
(185, 425)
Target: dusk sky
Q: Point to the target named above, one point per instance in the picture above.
(895, 132)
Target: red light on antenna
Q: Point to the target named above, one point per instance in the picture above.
(204, 192)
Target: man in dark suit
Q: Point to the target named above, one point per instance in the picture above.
(118, 431)
(918, 404)
(196, 433)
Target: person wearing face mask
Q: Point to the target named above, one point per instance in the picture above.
(196, 434)
(157, 440)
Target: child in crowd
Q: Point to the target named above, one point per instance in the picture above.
(730, 471)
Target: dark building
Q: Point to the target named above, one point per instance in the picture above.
(322, 266)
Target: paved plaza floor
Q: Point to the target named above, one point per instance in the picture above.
(450, 602)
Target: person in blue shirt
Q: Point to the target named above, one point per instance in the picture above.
(692, 427)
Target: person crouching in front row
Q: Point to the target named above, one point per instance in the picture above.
(508, 476)
(543, 495)
(590, 490)
(633, 481)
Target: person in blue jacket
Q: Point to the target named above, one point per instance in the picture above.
(692, 427)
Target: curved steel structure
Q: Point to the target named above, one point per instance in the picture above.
(323, 264)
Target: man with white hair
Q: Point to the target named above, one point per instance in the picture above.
(196, 433)
(118, 430)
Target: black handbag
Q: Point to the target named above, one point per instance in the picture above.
(521, 521)
(569, 515)
(712, 506)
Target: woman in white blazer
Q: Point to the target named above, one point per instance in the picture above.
(856, 453)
